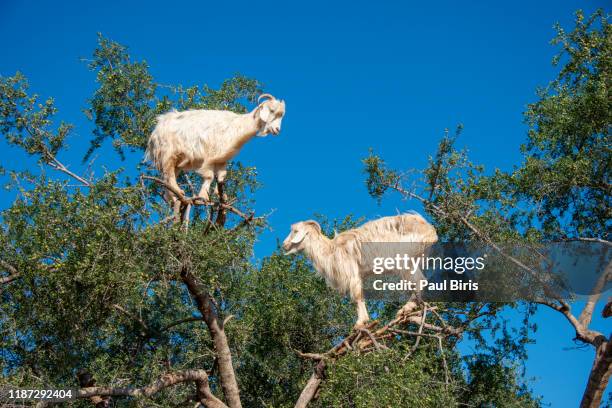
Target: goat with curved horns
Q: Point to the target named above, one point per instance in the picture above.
(205, 140)
(341, 260)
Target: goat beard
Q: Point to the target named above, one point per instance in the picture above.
(264, 132)
(291, 251)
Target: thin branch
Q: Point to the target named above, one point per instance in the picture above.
(227, 319)
(179, 322)
(588, 239)
(376, 344)
(482, 236)
(413, 333)
(57, 165)
(418, 339)
(141, 322)
(13, 272)
(311, 356)
(52, 161)
(583, 333)
(199, 201)
(443, 359)
(8, 279)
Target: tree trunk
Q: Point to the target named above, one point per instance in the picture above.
(217, 332)
(226, 367)
(599, 376)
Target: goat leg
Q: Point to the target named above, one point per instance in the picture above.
(221, 174)
(176, 209)
(221, 215)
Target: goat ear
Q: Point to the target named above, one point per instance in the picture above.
(314, 224)
(264, 113)
(299, 237)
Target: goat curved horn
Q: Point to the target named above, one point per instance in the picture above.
(265, 95)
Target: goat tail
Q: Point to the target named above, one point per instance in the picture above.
(149, 155)
(154, 151)
(413, 221)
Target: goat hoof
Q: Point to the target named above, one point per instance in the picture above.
(408, 308)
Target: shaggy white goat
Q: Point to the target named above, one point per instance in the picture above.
(205, 140)
(341, 260)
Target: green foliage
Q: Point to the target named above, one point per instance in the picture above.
(331, 227)
(568, 160)
(124, 106)
(288, 309)
(26, 122)
(126, 102)
(97, 284)
(387, 379)
(379, 176)
(491, 384)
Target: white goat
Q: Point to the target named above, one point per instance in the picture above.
(205, 140)
(341, 260)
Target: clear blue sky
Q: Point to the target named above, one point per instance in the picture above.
(388, 75)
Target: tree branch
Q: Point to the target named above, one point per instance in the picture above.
(418, 339)
(200, 377)
(57, 165)
(587, 313)
(482, 236)
(198, 201)
(13, 272)
(141, 322)
(53, 161)
(588, 239)
(443, 355)
(179, 322)
(312, 386)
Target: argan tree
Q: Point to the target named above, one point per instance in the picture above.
(101, 291)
